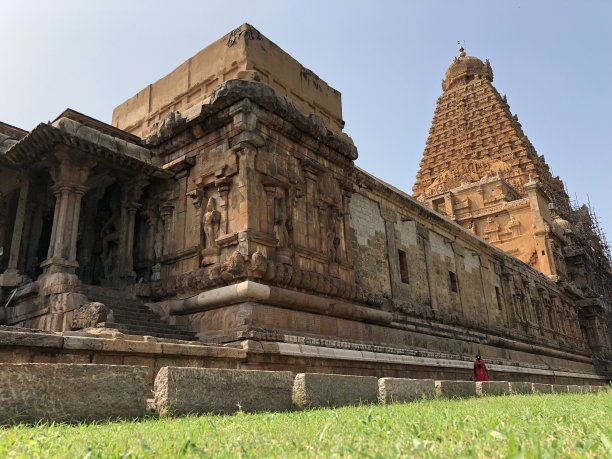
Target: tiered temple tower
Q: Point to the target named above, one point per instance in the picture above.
(481, 171)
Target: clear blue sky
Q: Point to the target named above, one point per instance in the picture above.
(552, 58)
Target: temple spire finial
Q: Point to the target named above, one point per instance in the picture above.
(461, 49)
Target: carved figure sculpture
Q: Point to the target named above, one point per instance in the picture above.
(211, 221)
(110, 240)
(280, 223)
(333, 241)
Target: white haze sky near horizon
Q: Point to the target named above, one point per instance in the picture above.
(551, 58)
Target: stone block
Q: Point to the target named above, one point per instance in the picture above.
(455, 389)
(82, 343)
(326, 390)
(559, 388)
(573, 389)
(485, 388)
(542, 388)
(521, 387)
(32, 339)
(30, 392)
(182, 390)
(90, 314)
(400, 390)
(107, 359)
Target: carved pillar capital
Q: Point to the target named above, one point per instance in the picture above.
(247, 140)
(69, 173)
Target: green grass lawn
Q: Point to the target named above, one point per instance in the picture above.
(552, 425)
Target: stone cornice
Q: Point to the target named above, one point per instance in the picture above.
(42, 140)
(232, 91)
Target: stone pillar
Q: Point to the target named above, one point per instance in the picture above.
(270, 189)
(70, 175)
(346, 254)
(3, 219)
(35, 224)
(166, 210)
(85, 254)
(132, 192)
(223, 187)
(247, 185)
(11, 277)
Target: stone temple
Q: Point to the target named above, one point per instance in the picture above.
(220, 221)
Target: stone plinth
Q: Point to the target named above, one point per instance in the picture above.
(521, 387)
(542, 388)
(207, 390)
(31, 392)
(559, 388)
(399, 390)
(493, 388)
(323, 390)
(455, 389)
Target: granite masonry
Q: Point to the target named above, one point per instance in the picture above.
(221, 221)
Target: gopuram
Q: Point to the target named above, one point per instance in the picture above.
(223, 208)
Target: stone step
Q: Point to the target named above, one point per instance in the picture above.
(168, 334)
(144, 311)
(153, 324)
(131, 316)
(146, 328)
(95, 291)
(135, 314)
(110, 304)
(138, 325)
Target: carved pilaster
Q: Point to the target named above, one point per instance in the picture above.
(223, 187)
(166, 212)
(247, 186)
(131, 194)
(270, 190)
(345, 215)
(312, 171)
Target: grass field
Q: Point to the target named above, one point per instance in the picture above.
(513, 426)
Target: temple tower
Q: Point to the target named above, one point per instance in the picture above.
(474, 134)
(480, 170)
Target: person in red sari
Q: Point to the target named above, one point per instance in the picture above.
(480, 369)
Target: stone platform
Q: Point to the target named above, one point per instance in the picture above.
(109, 347)
(269, 351)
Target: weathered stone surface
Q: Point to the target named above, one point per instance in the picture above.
(455, 389)
(25, 338)
(521, 387)
(326, 390)
(574, 389)
(399, 390)
(30, 392)
(542, 388)
(559, 388)
(207, 390)
(91, 314)
(493, 388)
